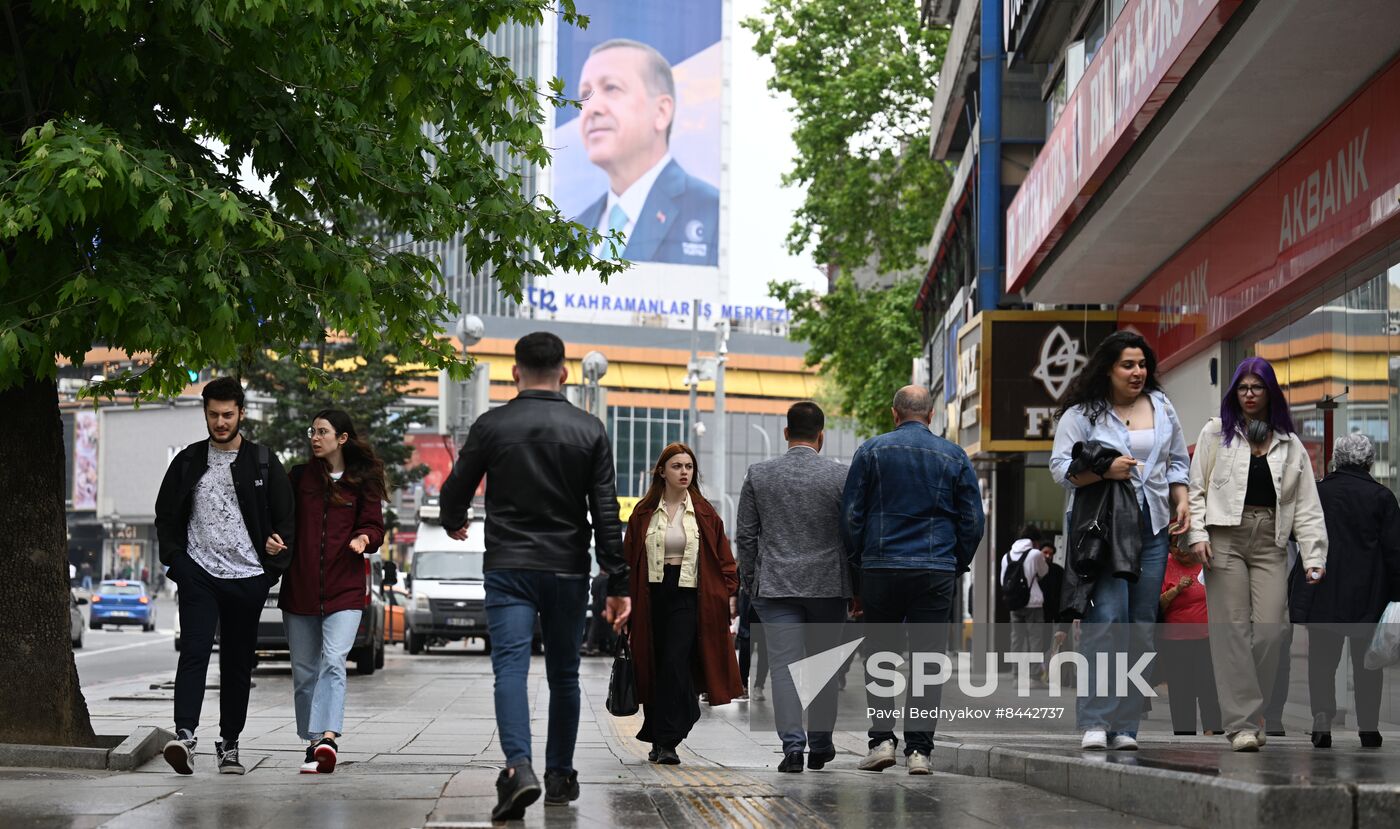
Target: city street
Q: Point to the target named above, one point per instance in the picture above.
(421, 747)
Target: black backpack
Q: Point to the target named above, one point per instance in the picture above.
(1015, 589)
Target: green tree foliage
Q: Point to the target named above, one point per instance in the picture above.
(124, 220)
(865, 341)
(862, 78)
(369, 387)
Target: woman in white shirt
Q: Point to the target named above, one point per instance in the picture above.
(1117, 401)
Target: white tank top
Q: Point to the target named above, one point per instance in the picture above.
(1140, 442)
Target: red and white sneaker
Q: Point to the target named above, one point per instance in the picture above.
(311, 766)
(325, 754)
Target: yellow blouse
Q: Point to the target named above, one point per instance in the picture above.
(656, 544)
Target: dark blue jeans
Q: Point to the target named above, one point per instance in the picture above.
(922, 598)
(513, 599)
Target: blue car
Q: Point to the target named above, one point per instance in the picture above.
(120, 602)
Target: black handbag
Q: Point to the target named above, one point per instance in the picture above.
(622, 685)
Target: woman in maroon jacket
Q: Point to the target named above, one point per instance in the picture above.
(339, 522)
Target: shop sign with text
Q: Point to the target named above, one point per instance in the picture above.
(1336, 198)
(1026, 361)
(1145, 55)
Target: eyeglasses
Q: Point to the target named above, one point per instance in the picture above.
(312, 432)
(1251, 390)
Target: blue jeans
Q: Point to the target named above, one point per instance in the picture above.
(1120, 618)
(790, 640)
(319, 645)
(513, 599)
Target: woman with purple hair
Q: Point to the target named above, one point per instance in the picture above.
(1252, 487)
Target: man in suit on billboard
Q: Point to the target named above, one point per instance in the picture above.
(629, 106)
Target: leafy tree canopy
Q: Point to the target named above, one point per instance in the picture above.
(864, 341)
(370, 388)
(124, 128)
(862, 78)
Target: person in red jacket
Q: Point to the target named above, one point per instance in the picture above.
(339, 521)
(1183, 647)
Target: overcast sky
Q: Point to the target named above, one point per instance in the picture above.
(760, 151)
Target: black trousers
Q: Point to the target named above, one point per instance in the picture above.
(750, 642)
(1324, 654)
(675, 705)
(1190, 676)
(899, 603)
(232, 606)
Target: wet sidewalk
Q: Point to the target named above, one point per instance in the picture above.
(421, 750)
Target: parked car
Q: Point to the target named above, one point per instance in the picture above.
(121, 602)
(396, 601)
(75, 618)
(368, 651)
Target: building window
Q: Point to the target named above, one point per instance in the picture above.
(638, 436)
(1344, 352)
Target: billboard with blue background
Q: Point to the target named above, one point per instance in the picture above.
(644, 154)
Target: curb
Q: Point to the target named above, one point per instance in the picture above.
(1176, 797)
(121, 753)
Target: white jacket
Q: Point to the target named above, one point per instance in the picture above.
(1219, 475)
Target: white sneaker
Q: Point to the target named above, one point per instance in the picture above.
(880, 757)
(1261, 739)
(1123, 742)
(1244, 741)
(757, 695)
(918, 763)
(1095, 739)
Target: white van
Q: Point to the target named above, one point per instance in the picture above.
(447, 596)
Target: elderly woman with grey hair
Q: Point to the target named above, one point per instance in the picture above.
(1363, 575)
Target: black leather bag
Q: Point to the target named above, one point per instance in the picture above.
(1104, 522)
(622, 686)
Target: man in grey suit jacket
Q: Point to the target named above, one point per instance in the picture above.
(794, 567)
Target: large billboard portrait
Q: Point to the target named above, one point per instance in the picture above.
(643, 154)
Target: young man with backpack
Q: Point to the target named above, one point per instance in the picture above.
(1022, 569)
(225, 520)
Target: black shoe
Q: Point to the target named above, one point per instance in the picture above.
(792, 763)
(1322, 730)
(179, 752)
(818, 759)
(227, 754)
(652, 755)
(667, 756)
(1370, 739)
(560, 787)
(515, 792)
(309, 765)
(1275, 732)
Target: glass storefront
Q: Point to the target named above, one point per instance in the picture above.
(1337, 356)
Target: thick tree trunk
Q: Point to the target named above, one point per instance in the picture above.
(40, 698)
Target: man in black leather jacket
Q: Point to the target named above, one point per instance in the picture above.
(549, 469)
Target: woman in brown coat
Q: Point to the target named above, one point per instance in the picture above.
(683, 581)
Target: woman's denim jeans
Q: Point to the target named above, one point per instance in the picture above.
(1121, 618)
(319, 645)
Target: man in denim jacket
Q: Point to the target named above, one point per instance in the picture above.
(912, 517)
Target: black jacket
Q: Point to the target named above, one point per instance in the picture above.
(264, 497)
(1105, 536)
(1363, 554)
(548, 468)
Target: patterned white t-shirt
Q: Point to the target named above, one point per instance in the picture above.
(218, 539)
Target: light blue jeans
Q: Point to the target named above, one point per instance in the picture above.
(319, 645)
(1121, 619)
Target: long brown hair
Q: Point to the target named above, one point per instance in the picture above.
(364, 471)
(652, 499)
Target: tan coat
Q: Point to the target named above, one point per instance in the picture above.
(1220, 473)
